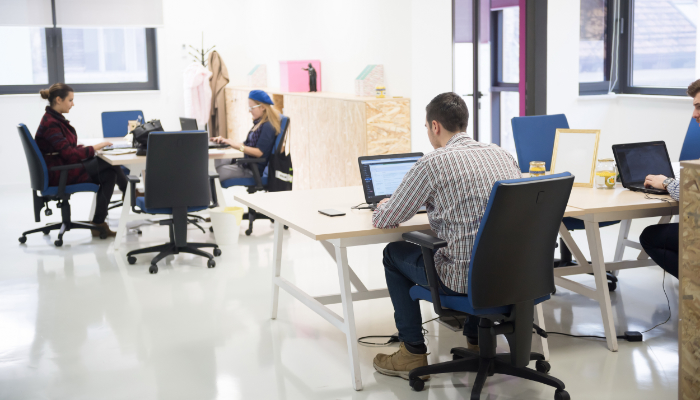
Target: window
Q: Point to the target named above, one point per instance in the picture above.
(505, 75)
(594, 46)
(88, 59)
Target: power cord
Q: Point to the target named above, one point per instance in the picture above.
(392, 338)
(359, 207)
(646, 196)
(630, 336)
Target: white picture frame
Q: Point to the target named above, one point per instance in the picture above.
(576, 151)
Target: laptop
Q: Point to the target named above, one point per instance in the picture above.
(382, 175)
(637, 160)
(188, 124)
(119, 145)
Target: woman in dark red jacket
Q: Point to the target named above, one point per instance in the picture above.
(58, 141)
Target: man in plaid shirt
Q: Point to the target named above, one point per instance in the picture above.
(454, 182)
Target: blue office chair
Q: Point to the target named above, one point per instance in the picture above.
(39, 177)
(115, 123)
(510, 272)
(691, 144)
(178, 183)
(534, 141)
(257, 182)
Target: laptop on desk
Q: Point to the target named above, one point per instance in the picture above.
(382, 175)
(637, 160)
(190, 124)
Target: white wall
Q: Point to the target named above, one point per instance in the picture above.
(621, 119)
(412, 40)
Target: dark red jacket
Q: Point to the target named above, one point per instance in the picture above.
(58, 142)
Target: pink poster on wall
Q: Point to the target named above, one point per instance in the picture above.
(294, 77)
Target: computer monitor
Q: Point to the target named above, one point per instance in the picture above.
(188, 124)
(381, 175)
(637, 160)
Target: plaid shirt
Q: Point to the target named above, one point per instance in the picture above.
(674, 190)
(454, 182)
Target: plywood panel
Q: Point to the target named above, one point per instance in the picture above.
(388, 127)
(238, 117)
(689, 274)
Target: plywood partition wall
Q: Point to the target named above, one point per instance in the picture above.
(689, 274)
(329, 131)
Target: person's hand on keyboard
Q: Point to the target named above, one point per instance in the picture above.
(102, 145)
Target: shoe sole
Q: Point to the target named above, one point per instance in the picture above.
(400, 374)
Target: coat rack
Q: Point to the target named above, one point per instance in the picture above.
(201, 54)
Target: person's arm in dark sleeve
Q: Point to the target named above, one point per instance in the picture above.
(413, 192)
(66, 151)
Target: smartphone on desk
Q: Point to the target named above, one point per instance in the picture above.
(331, 212)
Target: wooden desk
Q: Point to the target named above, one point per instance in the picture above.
(597, 206)
(299, 211)
(138, 163)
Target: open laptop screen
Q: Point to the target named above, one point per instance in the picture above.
(637, 160)
(381, 175)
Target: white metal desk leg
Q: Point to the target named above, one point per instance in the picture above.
(123, 219)
(539, 315)
(601, 282)
(276, 266)
(217, 185)
(341, 257)
(625, 225)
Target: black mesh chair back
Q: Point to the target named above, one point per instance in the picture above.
(38, 173)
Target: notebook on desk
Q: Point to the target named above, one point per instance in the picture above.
(637, 160)
(382, 175)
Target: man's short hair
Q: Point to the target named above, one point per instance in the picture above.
(694, 88)
(450, 110)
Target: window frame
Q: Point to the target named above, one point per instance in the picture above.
(54, 64)
(601, 87)
(497, 83)
(626, 57)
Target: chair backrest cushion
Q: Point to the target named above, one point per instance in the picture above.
(38, 173)
(691, 144)
(284, 124)
(513, 254)
(177, 169)
(116, 123)
(534, 138)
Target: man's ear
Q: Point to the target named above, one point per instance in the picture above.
(436, 127)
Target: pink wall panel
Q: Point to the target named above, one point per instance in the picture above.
(294, 79)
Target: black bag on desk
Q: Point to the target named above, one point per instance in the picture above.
(141, 135)
(279, 171)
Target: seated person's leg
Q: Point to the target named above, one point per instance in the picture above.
(227, 170)
(106, 179)
(660, 242)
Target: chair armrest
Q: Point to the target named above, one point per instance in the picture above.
(65, 167)
(212, 187)
(133, 180)
(423, 240)
(251, 160)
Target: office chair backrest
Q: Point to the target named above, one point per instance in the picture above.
(177, 169)
(534, 138)
(284, 124)
(116, 123)
(691, 144)
(38, 173)
(513, 254)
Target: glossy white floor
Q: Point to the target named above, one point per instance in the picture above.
(78, 322)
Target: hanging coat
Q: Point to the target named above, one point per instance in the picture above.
(218, 80)
(197, 93)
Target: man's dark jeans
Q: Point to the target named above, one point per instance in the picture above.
(404, 268)
(661, 243)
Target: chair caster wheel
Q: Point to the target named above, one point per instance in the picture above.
(103, 236)
(211, 264)
(211, 229)
(561, 395)
(131, 260)
(417, 384)
(139, 232)
(46, 231)
(217, 252)
(248, 232)
(286, 227)
(23, 239)
(555, 291)
(456, 357)
(153, 269)
(58, 243)
(612, 286)
(542, 366)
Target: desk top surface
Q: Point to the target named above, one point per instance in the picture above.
(619, 199)
(299, 210)
(131, 159)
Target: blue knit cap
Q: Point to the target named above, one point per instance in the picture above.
(260, 96)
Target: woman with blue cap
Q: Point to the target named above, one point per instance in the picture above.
(260, 139)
